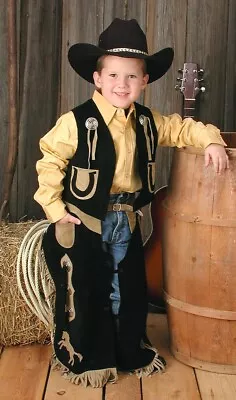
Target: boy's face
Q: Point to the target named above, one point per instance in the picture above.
(121, 80)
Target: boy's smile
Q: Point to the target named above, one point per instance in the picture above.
(121, 80)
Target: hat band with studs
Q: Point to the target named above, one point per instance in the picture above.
(121, 49)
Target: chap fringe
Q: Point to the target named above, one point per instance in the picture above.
(156, 365)
(96, 379)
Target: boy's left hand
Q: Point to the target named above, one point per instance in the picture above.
(216, 154)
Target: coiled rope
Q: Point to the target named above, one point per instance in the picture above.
(33, 278)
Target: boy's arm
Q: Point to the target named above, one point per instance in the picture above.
(175, 131)
(57, 146)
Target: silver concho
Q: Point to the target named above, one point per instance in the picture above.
(91, 123)
(142, 119)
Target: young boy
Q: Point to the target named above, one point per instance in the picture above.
(97, 170)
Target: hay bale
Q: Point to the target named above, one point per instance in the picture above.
(18, 324)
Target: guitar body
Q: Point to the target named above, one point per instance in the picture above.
(153, 253)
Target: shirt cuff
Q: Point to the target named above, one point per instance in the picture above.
(55, 211)
(212, 136)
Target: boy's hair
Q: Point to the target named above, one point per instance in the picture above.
(100, 64)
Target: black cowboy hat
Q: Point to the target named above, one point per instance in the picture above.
(122, 38)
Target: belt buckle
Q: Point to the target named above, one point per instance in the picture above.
(116, 207)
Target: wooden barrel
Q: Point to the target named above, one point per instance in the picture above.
(199, 256)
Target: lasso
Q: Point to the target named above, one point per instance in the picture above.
(33, 278)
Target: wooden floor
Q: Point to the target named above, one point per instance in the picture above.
(25, 375)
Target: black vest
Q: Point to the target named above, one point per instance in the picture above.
(90, 171)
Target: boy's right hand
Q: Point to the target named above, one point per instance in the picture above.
(68, 218)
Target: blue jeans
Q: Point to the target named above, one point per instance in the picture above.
(116, 236)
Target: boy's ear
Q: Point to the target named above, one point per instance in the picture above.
(97, 79)
(145, 80)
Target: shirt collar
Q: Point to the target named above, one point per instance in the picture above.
(106, 109)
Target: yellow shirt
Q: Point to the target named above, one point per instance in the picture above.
(59, 145)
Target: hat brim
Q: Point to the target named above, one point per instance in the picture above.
(83, 59)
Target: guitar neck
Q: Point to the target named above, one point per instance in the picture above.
(189, 108)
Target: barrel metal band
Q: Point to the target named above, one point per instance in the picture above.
(202, 364)
(198, 310)
(195, 219)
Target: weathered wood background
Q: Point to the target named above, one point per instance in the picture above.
(201, 31)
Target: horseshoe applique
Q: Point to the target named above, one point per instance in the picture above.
(83, 182)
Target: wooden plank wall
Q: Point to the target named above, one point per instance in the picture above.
(39, 71)
(230, 84)
(3, 90)
(206, 41)
(39, 45)
(202, 32)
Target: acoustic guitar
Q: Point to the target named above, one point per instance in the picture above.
(189, 85)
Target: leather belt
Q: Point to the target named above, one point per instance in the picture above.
(120, 207)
